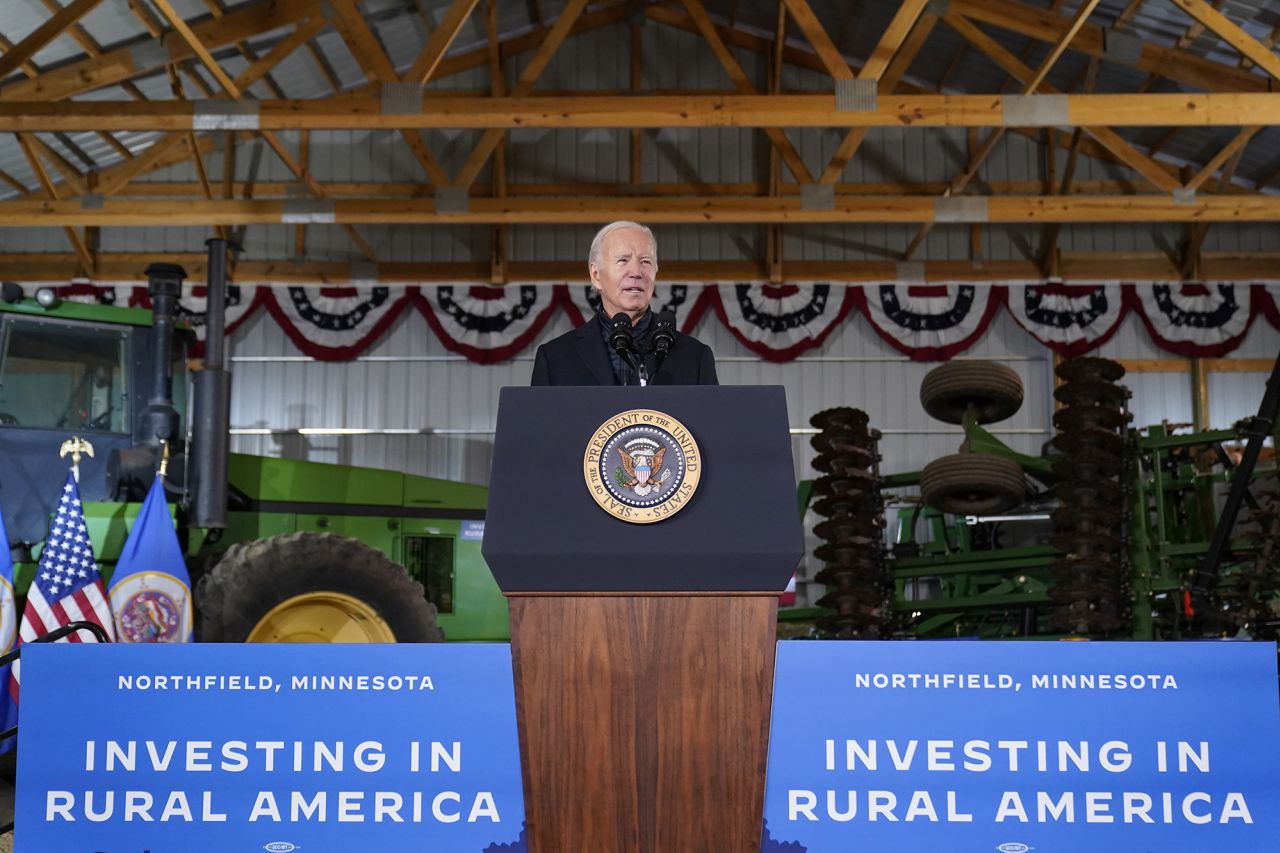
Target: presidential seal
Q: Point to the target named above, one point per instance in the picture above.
(642, 466)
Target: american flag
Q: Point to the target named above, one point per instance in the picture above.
(68, 585)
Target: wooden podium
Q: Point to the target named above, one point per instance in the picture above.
(643, 653)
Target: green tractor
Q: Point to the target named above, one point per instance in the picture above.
(278, 550)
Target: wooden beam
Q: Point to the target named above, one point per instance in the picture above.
(528, 77)
(437, 45)
(1238, 142)
(368, 51)
(1231, 33)
(744, 85)
(593, 110)
(885, 84)
(416, 189)
(43, 34)
(1030, 85)
(120, 64)
(813, 30)
(28, 67)
(1181, 66)
(128, 267)
(678, 210)
(1123, 151)
(197, 47)
(51, 192)
(304, 175)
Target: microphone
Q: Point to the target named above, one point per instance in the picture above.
(663, 338)
(622, 339)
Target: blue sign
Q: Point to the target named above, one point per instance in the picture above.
(472, 530)
(1014, 747)
(320, 749)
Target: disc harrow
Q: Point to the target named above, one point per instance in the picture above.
(1090, 580)
(852, 550)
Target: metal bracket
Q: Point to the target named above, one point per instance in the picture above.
(1121, 46)
(960, 209)
(363, 272)
(453, 199)
(856, 96)
(401, 99)
(817, 196)
(225, 115)
(1184, 195)
(308, 210)
(909, 272)
(938, 8)
(91, 201)
(1034, 111)
(149, 54)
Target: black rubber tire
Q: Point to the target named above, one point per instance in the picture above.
(994, 391)
(253, 577)
(973, 484)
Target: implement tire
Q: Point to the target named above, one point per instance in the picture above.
(973, 484)
(992, 389)
(313, 588)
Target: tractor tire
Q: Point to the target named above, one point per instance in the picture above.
(993, 390)
(315, 588)
(973, 484)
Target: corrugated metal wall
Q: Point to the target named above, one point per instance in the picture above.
(408, 381)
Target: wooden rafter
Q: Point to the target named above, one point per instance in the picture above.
(886, 82)
(1230, 150)
(1231, 33)
(677, 210)
(368, 51)
(428, 62)
(197, 47)
(1181, 66)
(1197, 232)
(1123, 151)
(120, 64)
(528, 77)
(744, 85)
(43, 34)
(51, 192)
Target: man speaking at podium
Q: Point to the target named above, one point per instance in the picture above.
(624, 343)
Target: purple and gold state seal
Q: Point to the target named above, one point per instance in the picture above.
(642, 466)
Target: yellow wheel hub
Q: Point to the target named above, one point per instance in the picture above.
(322, 617)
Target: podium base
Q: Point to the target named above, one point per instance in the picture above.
(643, 719)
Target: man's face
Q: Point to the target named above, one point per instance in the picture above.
(626, 272)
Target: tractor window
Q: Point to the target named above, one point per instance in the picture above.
(62, 376)
(429, 560)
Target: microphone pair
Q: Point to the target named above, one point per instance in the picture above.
(622, 339)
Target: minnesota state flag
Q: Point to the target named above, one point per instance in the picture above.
(8, 635)
(150, 589)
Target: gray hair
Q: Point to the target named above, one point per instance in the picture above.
(593, 257)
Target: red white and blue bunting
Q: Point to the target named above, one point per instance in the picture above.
(1070, 319)
(336, 323)
(930, 322)
(778, 322)
(485, 324)
(1196, 319)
